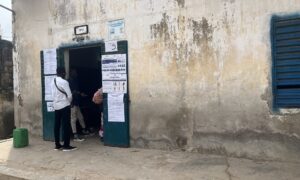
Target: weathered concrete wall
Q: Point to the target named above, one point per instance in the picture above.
(200, 71)
(30, 36)
(6, 89)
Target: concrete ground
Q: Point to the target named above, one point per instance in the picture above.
(94, 161)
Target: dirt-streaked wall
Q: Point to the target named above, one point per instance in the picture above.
(199, 71)
(6, 89)
(30, 28)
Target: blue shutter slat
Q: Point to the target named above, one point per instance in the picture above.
(293, 49)
(289, 29)
(288, 104)
(292, 62)
(289, 97)
(288, 43)
(282, 92)
(295, 101)
(288, 76)
(287, 56)
(288, 82)
(286, 21)
(285, 69)
(288, 36)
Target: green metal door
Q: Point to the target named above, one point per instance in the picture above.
(50, 60)
(48, 72)
(116, 133)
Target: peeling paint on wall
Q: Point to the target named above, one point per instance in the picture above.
(102, 9)
(161, 30)
(180, 3)
(171, 33)
(202, 31)
(63, 13)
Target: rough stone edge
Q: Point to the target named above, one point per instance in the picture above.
(14, 173)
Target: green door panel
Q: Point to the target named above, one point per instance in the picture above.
(117, 133)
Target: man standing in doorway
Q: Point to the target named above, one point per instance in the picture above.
(75, 109)
(62, 98)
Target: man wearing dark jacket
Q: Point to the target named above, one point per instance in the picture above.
(75, 109)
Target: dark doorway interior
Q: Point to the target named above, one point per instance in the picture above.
(86, 61)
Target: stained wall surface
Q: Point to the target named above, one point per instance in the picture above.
(6, 89)
(199, 71)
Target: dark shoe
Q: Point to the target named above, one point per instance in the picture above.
(59, 147)
(78, 139)
(89, 135)
(85, 132)
(69, 148)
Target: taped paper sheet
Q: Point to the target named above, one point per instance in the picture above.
(116, 108)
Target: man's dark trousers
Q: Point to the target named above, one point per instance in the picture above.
(62, 116)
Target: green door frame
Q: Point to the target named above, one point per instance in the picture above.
(115, 134)
(48, 117)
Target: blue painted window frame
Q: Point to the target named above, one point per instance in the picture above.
(285, 42)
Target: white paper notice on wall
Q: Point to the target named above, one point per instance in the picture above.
(115, 107)
(114, 73)
(114, 86)
(50, 62)
(111, 46)
(50, 107)
(49, 80)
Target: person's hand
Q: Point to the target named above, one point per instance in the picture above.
(98, 97)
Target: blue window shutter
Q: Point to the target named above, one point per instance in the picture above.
(285, 36)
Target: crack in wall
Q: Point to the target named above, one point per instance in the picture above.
(227, 168)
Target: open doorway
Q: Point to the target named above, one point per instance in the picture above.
(86, 62)
(86, 59)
